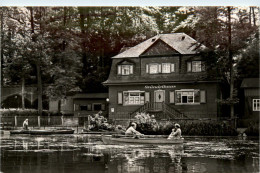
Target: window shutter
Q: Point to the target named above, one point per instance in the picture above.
(147, 96)
(159, 68)
(171, 96)
(119, 69)
(188, 66)
(147, 68)
(89, 107)
(131, 69)
(76, 107)
(203, 66)
(172, 67)
(202, 96)
(103, 107)
(120, 98)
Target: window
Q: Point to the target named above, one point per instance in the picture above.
(166, 68)
(256, 104)
(187, 96)
(125, 69)
(195, 66)
(155, 68)
(133, 97)
(87, 107)
(97, 106)
(84, 108)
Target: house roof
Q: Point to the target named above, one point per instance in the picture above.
(250, 83)
(91, 96)
(181, 42)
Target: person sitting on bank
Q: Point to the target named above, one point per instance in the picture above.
(132, 131)
(176, 132)
(25, 124)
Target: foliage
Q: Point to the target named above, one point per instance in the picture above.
(99, 122)
(71, 47)
(146, 124)
(248, 62)
(210, 26)
(25, 112)
(253, 129)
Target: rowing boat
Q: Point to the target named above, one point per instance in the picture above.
(109, 139)
(43, 132)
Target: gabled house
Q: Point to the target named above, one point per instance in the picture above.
(162, 76)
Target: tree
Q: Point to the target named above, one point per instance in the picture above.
(65, 64)
(14, 34)
(227, 31)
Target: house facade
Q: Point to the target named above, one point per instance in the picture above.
(162, 76)
(251, 99)
(81, 104)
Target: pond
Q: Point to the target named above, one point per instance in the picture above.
(87, 153)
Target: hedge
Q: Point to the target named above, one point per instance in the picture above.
(146, 124)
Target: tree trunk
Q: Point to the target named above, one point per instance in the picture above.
(253, 11)
(38, 69)
(23, 93)
(231, 66)
(39, 86)
(59, 106)
(1, 54)
(250, 11)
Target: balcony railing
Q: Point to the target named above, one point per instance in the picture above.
(153, 107)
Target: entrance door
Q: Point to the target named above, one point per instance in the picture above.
(159, 98)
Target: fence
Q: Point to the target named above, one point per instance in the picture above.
(44, 121)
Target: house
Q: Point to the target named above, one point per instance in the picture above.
(162, 76)
(251, 98)
(81, 104)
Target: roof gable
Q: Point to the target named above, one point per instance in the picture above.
(159, 48)
(250, 83)
(180, 42)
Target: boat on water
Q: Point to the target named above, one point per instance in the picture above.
(147, 139)
(43, 132)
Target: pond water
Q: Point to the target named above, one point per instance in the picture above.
(87, 153)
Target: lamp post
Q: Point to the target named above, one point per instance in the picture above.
(107, 106)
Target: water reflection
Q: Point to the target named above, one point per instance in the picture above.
(86, 153)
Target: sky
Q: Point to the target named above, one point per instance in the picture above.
(130, 3)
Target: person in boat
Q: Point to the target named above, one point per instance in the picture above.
(176, 132)
(25, 124)
(119, 130)
(133, 132)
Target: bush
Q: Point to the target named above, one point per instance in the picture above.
(147, 124)
(253, 130)
(26, 112)
(99, 122)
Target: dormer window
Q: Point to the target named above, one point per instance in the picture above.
(125, 69)
(195, 66)
(155, 68)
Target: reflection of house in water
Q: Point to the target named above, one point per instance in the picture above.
(38, 155)
(144, 161)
